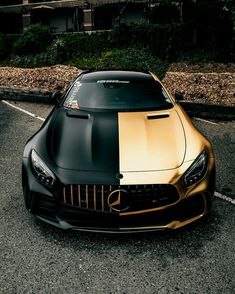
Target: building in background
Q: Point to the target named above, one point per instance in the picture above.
(88, 15)
(81, 15)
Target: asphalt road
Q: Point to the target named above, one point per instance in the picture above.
(38, 258)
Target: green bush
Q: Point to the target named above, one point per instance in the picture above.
(164, 40)
(6, 44)
(70, 46)
(35, 39)
(122, 36)
(123, 59)
(3, 48)
(31, 61)
(143, 46)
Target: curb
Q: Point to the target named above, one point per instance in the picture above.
(209, 111)
(25, 95)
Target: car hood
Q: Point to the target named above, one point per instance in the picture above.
(121, 142)
(85, 141)
(151, 141)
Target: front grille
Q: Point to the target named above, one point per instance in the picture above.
(136, 197)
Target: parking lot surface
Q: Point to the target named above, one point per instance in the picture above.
(38, 258)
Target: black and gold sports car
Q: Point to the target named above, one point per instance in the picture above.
(118, 154)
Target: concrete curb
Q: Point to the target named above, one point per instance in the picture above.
(25, 95)
(209, 111)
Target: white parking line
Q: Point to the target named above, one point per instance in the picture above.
(25, 111)
(224, 197)
(204, 120)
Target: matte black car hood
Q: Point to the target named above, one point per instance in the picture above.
(85, 141)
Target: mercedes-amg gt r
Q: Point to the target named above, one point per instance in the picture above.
(118, 154)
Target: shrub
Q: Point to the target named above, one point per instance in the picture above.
(30, 61)
(3, 48)
(35, 39)
(123, 59)
(164, 40)
(6, 44)
(70, 46)
(122, 36)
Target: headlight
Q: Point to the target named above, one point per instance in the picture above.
(197, 170)
(41, 171)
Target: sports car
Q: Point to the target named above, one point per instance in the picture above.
(118, 154)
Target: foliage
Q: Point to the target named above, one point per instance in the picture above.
(35, 39)
(121, 36)
(205, 34)
(165, 41)
(211, 26)
(6, 44)
(132, 58)
(30, 61)
(3, 47)
(74, 45)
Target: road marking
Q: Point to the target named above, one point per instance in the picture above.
(224, 197)
(25, 111)
(204, 120)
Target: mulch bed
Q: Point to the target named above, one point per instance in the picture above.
(202, 83)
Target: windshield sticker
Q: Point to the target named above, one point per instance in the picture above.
(112, 81)
(74, 105)
(73, 95)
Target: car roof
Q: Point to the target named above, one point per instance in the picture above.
(115, 75)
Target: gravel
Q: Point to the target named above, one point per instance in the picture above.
(202, 83)
(215, 88)
(46, 78)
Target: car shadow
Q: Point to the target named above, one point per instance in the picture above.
(188, 241)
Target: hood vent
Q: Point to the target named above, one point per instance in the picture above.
(157, 116)
(78, 114)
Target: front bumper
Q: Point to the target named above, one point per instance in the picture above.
(67, 217)
(49, 206)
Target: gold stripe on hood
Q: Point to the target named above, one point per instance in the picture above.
(150, 141)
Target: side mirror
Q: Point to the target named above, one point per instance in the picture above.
(178, 97)
(56, 96)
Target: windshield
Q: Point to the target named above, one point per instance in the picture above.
(118, 95)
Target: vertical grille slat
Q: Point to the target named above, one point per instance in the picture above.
(94, 194)
(79, 196)
(140, 197)
(87, 197)
(71, 194)
(64, 195)
(102, 196)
